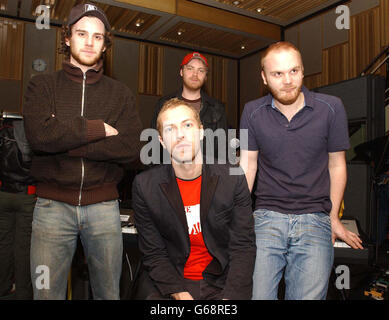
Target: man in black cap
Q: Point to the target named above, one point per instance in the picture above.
(82, 127)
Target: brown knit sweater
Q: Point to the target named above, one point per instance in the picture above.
(74, 162)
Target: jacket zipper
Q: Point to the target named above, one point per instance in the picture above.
(82, 160)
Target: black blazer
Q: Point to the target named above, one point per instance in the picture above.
(226, 221)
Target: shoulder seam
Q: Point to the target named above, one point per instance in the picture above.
(256, 109)
(329, 106)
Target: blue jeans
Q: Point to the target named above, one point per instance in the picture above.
(55, 228)
(299, 246)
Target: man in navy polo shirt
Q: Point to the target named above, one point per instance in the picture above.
(296, 151)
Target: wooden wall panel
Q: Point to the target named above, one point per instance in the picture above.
(11, 49)
(384, 22)
(217, 77)
(335, 64)
(364, 40)
(367, 36)
(313, 81)
(150, 69)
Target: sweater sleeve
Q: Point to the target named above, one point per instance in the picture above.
(48, 133)
(122, 148)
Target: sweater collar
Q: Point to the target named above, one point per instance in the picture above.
(75, 73)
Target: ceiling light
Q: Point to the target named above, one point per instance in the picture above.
(139, 22)
(236, 3)
(259, 10)
(180, 31)
(243, 47)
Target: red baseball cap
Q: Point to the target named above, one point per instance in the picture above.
(194, 55)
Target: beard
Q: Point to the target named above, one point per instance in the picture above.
(285, 98)
(193, 85)
(89, 62)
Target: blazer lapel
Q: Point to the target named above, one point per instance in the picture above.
(208, 187)
(172, 193)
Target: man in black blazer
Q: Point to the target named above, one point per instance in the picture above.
(194, 220)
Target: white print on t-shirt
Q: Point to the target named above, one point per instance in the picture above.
(193, 219)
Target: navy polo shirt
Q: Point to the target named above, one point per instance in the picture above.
(293, 174)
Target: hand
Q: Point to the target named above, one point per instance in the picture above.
(340, 231)
(110, 131)
(182, 296)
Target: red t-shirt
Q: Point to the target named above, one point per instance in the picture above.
(199, 257)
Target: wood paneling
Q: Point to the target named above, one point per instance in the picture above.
(150, 69)
(11, 49)
(384, 22)
(168, 6)
(280, 9)
(367, 36)
(227, 19)
(313, 81)
(217, 78)
(3, 5)
(335, 64)
(196, 36)
(364, 40)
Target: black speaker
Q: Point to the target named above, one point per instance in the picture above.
(363, 99)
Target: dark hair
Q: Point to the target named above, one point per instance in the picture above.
(67, 33)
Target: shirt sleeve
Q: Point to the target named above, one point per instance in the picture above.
(246, 123)
(338, 136)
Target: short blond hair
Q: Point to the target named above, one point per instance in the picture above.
(279, 46)
(174, 103)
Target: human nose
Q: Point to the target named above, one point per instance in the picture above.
(287, 78)
(179, 133)
(89, 41)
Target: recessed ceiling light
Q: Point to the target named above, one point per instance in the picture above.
(180, 31)
(259, 10)
(236, 3)
(139, 22)
(242, 47)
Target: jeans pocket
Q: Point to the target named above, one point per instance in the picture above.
(260, 213)
(43, 203)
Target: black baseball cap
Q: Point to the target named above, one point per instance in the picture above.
(87, 9)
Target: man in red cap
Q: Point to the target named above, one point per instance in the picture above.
(194, 70)
(83, 127)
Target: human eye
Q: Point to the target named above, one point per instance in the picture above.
(167, 129)
(99, 37)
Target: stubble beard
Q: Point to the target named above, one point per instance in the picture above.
(283, 99)
(85, 62)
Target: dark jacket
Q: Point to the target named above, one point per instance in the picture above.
(74, 161)
(15, 158)
(212, 114)
(226, 222)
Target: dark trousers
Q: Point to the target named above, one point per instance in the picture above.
(199, 289)
(16, 212)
